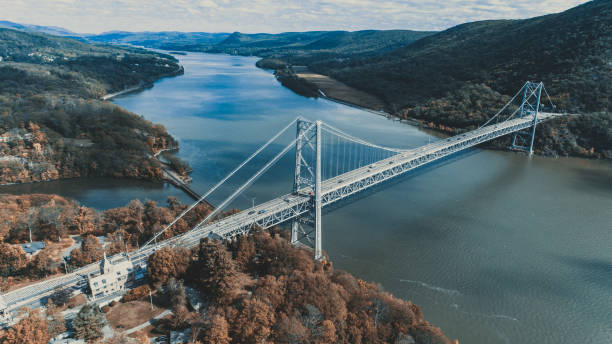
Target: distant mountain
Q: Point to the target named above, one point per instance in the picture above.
(312, 44)
(51, 30)
(168, 40)
(293, 45)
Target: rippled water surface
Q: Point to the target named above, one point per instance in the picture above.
(495, 247)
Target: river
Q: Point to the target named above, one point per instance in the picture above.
(494, 246)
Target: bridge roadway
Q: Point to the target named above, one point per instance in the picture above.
(290, 206)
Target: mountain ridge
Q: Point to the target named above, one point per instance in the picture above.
(52, 30)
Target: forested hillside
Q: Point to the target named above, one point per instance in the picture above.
(52, 218)
(52, 123)
(168, 40)
(258, 288)
(261, 289)
(51, 30)
(305, 47)
(459, 77)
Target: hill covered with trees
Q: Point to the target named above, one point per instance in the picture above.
(51, 30)
(52, 121)
(458, 78)
(257, 289)
(315, 45)
(51, 218)
(167, 40)
(262, 289)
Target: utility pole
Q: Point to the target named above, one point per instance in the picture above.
(151, 298)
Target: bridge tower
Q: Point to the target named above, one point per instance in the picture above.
(307, 181)
(530, 106)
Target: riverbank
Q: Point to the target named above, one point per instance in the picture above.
(141, 86)
(323, 86)
(338, 92)
(559, 137)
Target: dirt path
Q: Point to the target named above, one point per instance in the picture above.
(148, 323)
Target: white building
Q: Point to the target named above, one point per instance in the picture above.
(111, 279)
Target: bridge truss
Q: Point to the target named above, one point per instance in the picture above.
(330, 165)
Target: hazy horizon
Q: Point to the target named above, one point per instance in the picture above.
(270, 16)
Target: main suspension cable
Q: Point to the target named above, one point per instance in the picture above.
(222, 181)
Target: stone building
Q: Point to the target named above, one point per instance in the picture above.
(112, 277)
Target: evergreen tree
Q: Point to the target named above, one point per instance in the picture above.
(89, 322)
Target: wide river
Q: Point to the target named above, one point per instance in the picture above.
(494, 246)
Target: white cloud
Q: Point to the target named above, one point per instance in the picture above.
(268, 15)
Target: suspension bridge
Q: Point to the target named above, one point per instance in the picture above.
(330, 165)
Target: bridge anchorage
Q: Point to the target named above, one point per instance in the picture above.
(330, 165)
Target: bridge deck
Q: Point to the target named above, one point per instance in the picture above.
(290, 206)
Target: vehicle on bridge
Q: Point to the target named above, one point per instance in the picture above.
(322, 178)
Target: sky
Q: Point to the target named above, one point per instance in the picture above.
(94, 16)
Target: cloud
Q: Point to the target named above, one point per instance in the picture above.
(268, 15)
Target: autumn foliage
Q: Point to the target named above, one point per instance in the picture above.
(167, 263)
(262, 289)
(12, 260)
(51, 217)
(259, 288)
(89, 252)
(136, 293)
(32, 328)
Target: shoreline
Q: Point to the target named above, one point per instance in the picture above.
(385, 114)
(327, 86)
(420, 124)
(142, 85)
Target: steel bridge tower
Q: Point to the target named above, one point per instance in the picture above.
(523, 140)
(307, 181)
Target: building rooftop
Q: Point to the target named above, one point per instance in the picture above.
(33, 247)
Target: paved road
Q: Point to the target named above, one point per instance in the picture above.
(290, 206)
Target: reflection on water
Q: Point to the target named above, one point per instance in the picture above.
(101, 193)
(494, 246)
